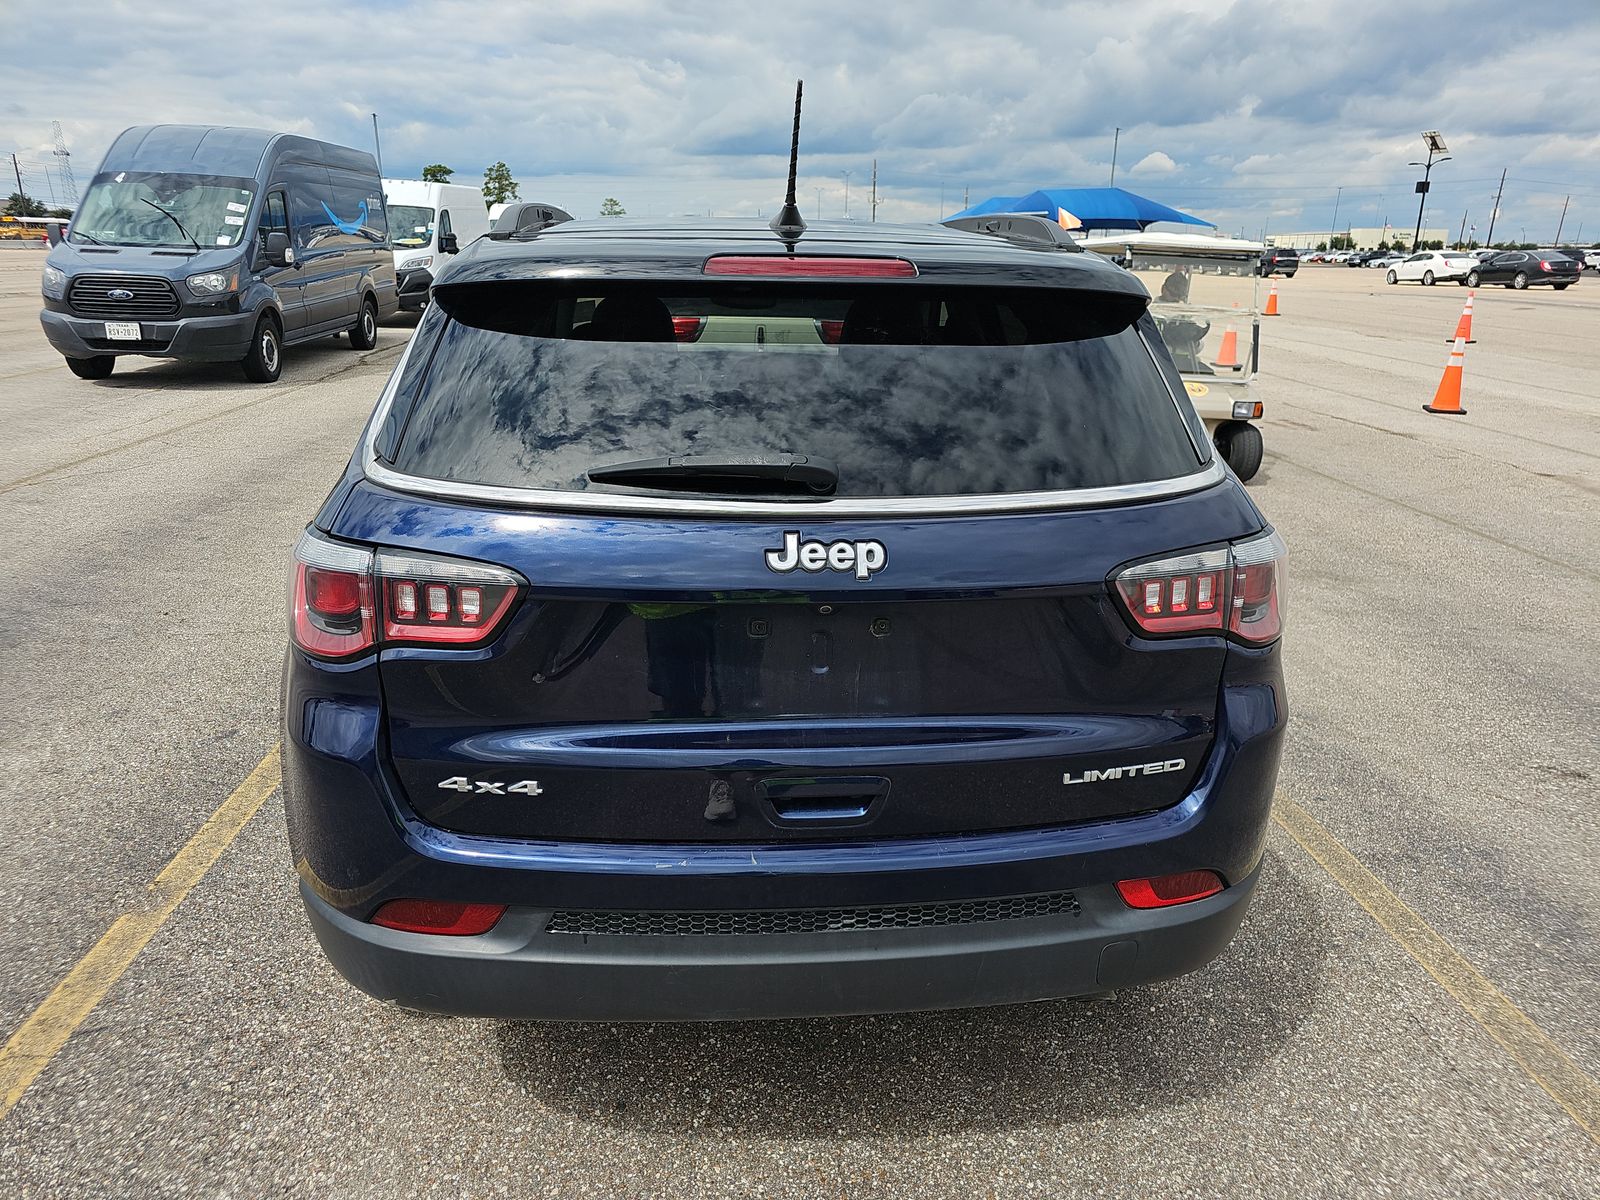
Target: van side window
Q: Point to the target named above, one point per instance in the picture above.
(274, 218)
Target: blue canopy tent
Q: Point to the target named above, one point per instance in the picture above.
(1095, 208)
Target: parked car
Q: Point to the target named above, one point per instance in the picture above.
(1526, 268)
(1360, 258)
(1427, 267)
(1280, 260)
(1591, 259)
(214, 244)
(427, 222)
(635, 676)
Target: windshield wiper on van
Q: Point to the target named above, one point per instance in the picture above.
(173, 219)
(736, 474)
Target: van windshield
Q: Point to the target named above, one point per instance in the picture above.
(117, 209)
(410, 225)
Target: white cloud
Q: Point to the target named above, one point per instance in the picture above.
(1154, 163)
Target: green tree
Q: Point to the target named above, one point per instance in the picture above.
(498, 186)
(19, 205)
(437, 173)
(612, 207)
(59, 212)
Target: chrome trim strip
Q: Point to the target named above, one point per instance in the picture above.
(811, 510)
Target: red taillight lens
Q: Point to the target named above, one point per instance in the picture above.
(338, 590)
(1233, 589)
(1162, 891)
(330, 608)
(688, 329)
(449, 917)
(831, 332)
(811, 265)
(441, 601)
(1544, 266)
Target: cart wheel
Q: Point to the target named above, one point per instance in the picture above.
(1241, 447)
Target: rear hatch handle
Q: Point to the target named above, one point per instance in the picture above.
(835, 800)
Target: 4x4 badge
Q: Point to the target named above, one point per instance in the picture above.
(861, 557)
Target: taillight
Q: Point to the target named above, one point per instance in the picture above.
(345, 597)
(831, 332)
(452, 918)
(815, 266)
(442, 601)
(1235, 589)
(688, 329)
(1544, 266)
(1163, 891)
(331, 610)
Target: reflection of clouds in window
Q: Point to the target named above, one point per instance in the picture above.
(898, 420)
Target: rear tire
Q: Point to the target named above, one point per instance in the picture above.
(1427, 279)
(364, 333)
(1472, 278)
(1241, 447)
(264, 363)
(1560, 287)
(1519, 281)
(1393, 278)
(98, 367)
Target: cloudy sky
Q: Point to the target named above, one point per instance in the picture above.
(1251, 113)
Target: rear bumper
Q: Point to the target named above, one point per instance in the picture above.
(222, 338)
(520, 971)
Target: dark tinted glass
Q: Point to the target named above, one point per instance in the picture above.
(910, 391)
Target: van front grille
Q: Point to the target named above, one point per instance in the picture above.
(602, 923)
(90, 296)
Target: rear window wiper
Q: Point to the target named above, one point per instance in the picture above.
(174, 220)
(750, 474)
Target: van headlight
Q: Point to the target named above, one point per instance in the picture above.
(416, 264)
(212, 283)
(54, 284)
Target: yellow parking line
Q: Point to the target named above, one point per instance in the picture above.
(48, 1027)
(1545, 1062)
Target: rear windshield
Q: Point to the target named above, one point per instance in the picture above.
(908, 391)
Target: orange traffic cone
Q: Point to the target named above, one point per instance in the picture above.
(1228, 356)
(1271, 309)
(1464, 326)
(1448, 398)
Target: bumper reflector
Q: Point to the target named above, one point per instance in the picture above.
(451, 917)
(1166, 890)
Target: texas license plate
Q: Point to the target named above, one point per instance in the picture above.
(122, 331)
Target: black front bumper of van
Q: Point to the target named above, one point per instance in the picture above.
(222, 338)
(413, 288)
(520, 970)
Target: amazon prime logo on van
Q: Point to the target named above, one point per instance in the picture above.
(863, 558)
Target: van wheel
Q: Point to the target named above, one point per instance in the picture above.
(264, 363)
(1240, 446)
(364, 333)
(98, 367)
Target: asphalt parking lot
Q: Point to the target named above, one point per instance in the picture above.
(1412, 1008)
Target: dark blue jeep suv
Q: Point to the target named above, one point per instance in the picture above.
(715, 626)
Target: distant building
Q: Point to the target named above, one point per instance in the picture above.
(1365, 239)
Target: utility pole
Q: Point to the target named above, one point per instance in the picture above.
(847, 195)
(1333, 229)
(874, 189)
(1489, 238)
(68, 183)
(1462, 240)
(1562, 225)
(1115, 138)
(819, 204)
(22, 196)
(378, 150)
(966, 198)
(941, 202)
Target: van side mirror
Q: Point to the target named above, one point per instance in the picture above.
(448, 244)
(52, 232)
(279, 252)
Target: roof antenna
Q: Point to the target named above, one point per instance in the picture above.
(789, 224)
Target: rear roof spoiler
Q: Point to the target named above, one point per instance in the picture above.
(1035, 233)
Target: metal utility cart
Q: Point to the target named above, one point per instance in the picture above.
(1206, 301)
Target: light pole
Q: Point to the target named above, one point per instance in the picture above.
(847, 195)
(1333, 228)
(1435, 145)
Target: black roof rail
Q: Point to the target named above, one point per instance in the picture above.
(1021, 229)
